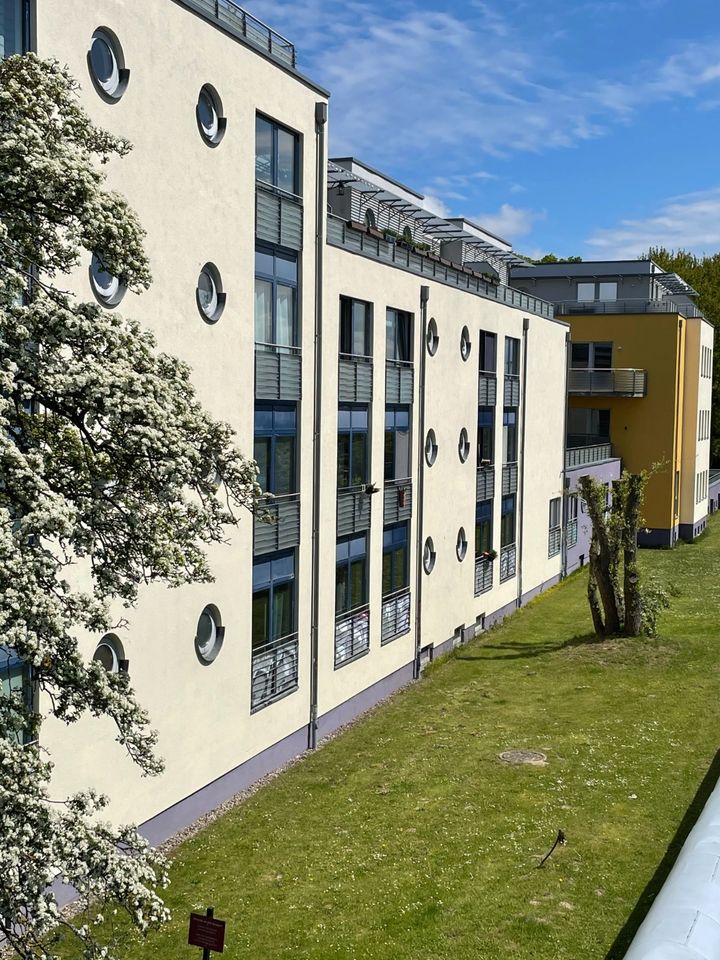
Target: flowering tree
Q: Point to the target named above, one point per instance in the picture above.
(109, 464)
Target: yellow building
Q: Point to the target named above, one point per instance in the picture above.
(640, 377)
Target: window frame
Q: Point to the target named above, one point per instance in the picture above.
(347, 327)
(487, 337)
(348, 563)
(482, 436)
(399, 539)
(275, 281)
(403, 321)
(483, 524)
(510, 433)
(508, 508)
(392, 410)
(275, 129)
(351, 432)
(512, 357)
(281, 580)
(275, 433)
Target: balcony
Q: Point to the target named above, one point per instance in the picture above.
(353, 511)
(397, 501)
(511, 390)
(571, 533)
(582, 456)
(281, 531)
(632, 305)
(509, 479)
(274, 671)
(240, 23)
(614, 382)
(352, 635)
(427, 264)
(278, 372)
(508, 556)
(278, 216)
(554, 541)
(483, 575)
(398, 381)
(395, 616)
(355, 378)
(485, 483)
(487, 389)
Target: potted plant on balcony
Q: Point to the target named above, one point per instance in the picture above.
(489, 554)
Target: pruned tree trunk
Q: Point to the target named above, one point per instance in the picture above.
(631, 585)
(595, 610)
(603, 564)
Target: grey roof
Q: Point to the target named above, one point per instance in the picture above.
(590, 268)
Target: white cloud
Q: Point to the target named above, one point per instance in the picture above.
(436, 205)
(690, 222)
(510, 222)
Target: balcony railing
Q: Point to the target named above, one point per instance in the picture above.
(274, 671)
(554, 541)
(511, 390)
(631, 305)
(354, 508)
(395, 616)
(487, 389)
(614, 382)
(571, 533)
(355, 378)
(509, 479)
(507, 562)
(397, 500)
(483, 575)
(341, 234)
(582, 456)
(241, 23)
(398, 381)
(278, 372)
(485, 483)
(281, 531)
(352, 635)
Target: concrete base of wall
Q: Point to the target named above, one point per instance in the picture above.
(658, 537)
(688, 531)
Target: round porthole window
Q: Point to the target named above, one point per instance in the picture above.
(463, 445)
(432, 339)
(431, 448)
(108, 289)
(461, 545)
(428, 555)
(465, 345)
(209, 113)
(109, 652)
(107, 65)
(210, 298)
(209, 634)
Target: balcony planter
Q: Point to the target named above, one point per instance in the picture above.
(489, 554)
(356, 225)
(374, 232)
(485, 464)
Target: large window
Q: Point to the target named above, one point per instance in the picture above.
(488, 352)
(592, 356)
(483, 527)
(277, 155)
(355, 327)
(509, 435)
(395, 570)
(398, 335)
(397, 443)
(275, 439)
(589, 290)
(352, 445)
(512, 357)
(15, 679)
(507, 521)
(275, 297)
(486, 435)
(11, 27)
(351, 581)
(587, 426)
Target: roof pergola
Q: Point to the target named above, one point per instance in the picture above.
(676, 284)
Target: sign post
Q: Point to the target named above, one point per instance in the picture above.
(207, 932)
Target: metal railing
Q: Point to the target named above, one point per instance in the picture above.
(483, 575)
(341, 234)
(244, 24)
(352, 635)
(487, 388)
(509, 478)
(554, 541)
(274, 671)
(571, 533)
(277, 348)
(508, 555)
(582, 456)
(630, 305)
(614, 381)
(395, 615)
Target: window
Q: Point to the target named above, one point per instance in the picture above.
(483, 527)
(431, 447)
(607, 290)
(510, 435)
(592, 356)
(465, 344)
(589, 290)
(352, 446)
(275, 440)
(277, 155)
(512, 357)
(209, 114)
(351, 580)
(463, 445)
(273, 603)
(209, 293)
(461, 545)
(16, 678)
(554, 513)
(507, 521)
(276, 278)
(11, 28)
(554, 524)
(432, 339)
(486, 436)
(398, 335)
(429, 555)
(108, 289)
(209, 634)
(107, 64)
(395, 569)
(587, 426)
(586, 291)
(572, 518)
(109, 652)
(397, 443)
(355, 327)
(488, 352)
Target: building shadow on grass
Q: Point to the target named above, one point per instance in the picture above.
(519, 651)
(623, 940)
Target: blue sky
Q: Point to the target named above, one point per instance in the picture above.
(577, 126)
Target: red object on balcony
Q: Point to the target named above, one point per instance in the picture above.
(401, 496)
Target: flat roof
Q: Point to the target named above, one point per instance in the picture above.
(590, 268)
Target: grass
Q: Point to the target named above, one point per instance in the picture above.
(406, 838)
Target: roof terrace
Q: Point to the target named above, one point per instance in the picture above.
(242, 24)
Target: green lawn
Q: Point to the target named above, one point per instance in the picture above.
(406, 837)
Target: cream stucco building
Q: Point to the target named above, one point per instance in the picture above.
(405, 405)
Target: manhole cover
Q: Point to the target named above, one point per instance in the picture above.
(523, 756)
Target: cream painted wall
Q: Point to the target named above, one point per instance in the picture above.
(697, 398)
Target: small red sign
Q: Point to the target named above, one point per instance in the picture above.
(206, 932)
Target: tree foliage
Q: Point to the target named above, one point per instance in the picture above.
(702, 273)
(109, 468)
(620, 602)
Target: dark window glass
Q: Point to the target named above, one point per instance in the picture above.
(512, 356)
(275, 439)
(352, 445)
(488, 352)
(580, 356)
(483, 527)
(350, 573)
(587, 426)
(398, 335)
(509, 435)
(602, 356)
(355, 327)
(275, 297)
(263, 150)
(273, 610)
(507, 521)
(486, 434)
(395, 573)
(397, 443)
(276, 155)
